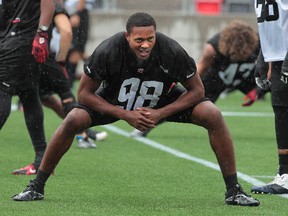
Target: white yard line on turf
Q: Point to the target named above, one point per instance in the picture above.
(249, 114)
(183, 155)
(263, 176)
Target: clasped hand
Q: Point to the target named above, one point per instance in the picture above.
(143, 118)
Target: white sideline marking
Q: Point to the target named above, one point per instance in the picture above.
(183, 155)
(263, 176)
(249, 114)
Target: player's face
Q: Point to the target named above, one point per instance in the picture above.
(142, 40)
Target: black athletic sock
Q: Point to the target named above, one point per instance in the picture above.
(91, 134)
(38, 158)
(42, 177)
(231, 181)
(283, 164)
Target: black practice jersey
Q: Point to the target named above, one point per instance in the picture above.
(18, 26)
(19, 17)
(60, 9)
(232, 73)
(225, 74)
(130, 85)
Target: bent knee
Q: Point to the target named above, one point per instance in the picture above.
(76, 121)
(206, 114)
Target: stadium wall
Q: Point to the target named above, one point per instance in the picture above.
(191, 31)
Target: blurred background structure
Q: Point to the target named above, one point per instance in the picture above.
(190, 22)
(183, 6)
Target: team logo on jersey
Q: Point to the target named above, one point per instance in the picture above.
(190, 75)
(164, 69)
(6, 84)
(88, 70)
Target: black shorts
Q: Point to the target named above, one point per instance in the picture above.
(279, 90)
(52, 79)
(80, 34)
(18, 69)
(213, 85)
(176, 91)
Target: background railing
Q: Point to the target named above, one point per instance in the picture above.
(182, 6)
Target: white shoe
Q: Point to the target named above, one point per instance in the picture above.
(86, 143)
(138, 133)
(102, 135)
(277, 177)
(282, 180)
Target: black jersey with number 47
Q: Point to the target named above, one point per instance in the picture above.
(225, 74)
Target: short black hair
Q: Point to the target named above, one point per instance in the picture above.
(139, 19)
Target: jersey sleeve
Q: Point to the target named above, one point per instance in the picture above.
(175, 59)
(59, 9)
(95, 65)
(213, 41)
(106, 60)
(185, 66)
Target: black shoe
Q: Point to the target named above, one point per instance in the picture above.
(278, 186)
(269, 189)
(236, 196)
(33, 191)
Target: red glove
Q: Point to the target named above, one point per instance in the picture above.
(40, 47)
(250, 98)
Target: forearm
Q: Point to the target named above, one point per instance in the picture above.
(81, 5)
(100, 105)
(65, 30)
(185, 101)
(201, 68)
(261, 65)
(63, 50)
(47, 11)
(207, 59)
(195, 91)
